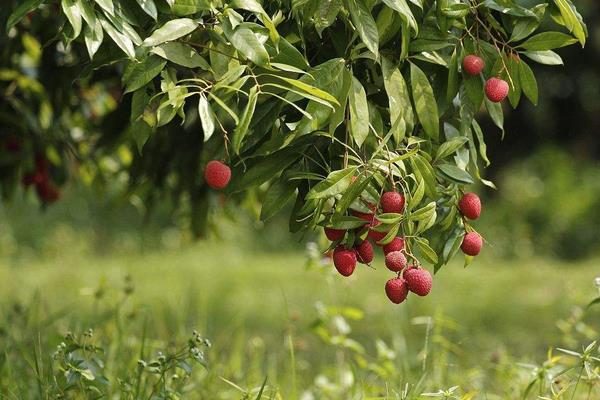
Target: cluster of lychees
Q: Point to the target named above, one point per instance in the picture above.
(409, 278)
(496, 89)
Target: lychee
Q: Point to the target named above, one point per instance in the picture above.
(395, 261)
(418, 281)
(473, 65)
(396, 290)
(392, 202)
(470, 205)
(471, 244)
(47, 192)
(496, 89)
(344, 260)
(217, 174)
(334, 234)
(396, 244)
(364, 252)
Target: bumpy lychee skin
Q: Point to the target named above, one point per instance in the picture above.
(344, 260)
(471, 244)
(473, 65)
(470, 205)
(334, 234)
(217, 174)
(392, 202)
(396, 290)
(396, 244)
(364, 252)
(395, 261)
(496, 89)
(418, 281)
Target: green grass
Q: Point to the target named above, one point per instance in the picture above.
(253, 305)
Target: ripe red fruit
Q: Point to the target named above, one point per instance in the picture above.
(473, 65)
(396, 244)
(395, 261)
(472, 243)
(496, 89)
(217, 174)
(396, 290)
(418, 281)
(344, 260)
(334, 234)
(470, 205)
(364, 252)
(392, 202)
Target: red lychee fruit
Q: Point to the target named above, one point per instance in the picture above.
(396, 244)
(392, 202)
(496, 89)
(344, 260)
(408, 268)
(364, 252)
(473, 65)
(395, 261)
(217, 174)
(418, 281)
(471, 244)
(396, 290)
(470, 205)
(334, 234)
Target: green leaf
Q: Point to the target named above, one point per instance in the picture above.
(73, 13)
(354, 191)
(453, 83)
(571, 20)
(106, 5)
(547, 41)
(426, 251)
(310, 89)
(266, 168)
(423, 213)
(277, 197)
(182, 54)
(138, 74)
(456, 174)
(365, 24)
(405, 13)
(335, 183)
(327, 11)
(120, 40)
(21, 11)
(523, 28)
(241, 130)
(171, 30)
(528, 82)
(495, 111)
(188, 7)
(247, 44)
(480, 139)
(93, 36)
(207, 118)
(149, 8)
(347, 222)
(401, 113)
(359, 112)
(544, 57)
(449, 147)
(425, 103)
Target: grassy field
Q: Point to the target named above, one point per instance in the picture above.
(309, 332)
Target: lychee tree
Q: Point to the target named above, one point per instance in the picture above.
(359, 114)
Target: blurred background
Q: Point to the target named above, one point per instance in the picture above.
(251, 286)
